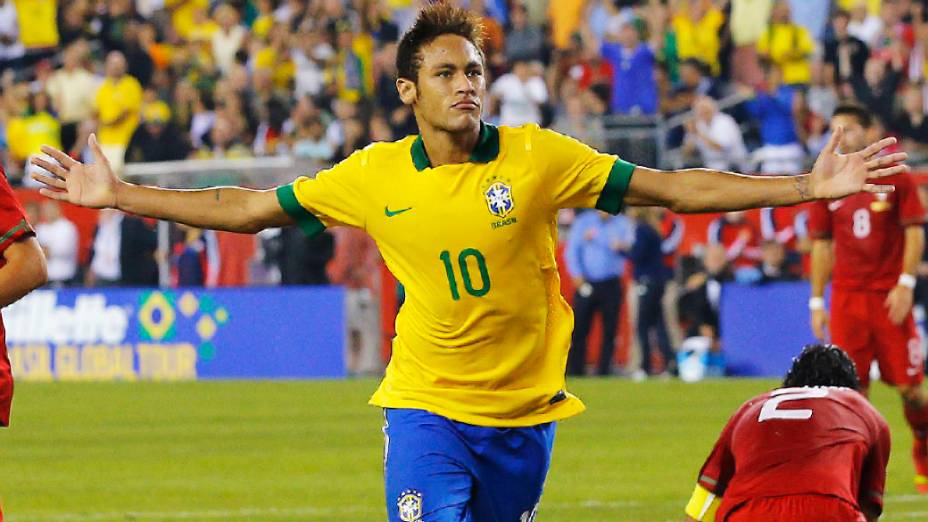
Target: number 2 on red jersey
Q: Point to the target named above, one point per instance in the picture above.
(771, 408)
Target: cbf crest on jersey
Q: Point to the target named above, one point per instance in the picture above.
(498, 193)
(410, 506)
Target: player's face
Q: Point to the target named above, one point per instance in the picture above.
(448, 95)
(855, 135)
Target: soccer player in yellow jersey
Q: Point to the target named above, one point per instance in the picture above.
(464, 215)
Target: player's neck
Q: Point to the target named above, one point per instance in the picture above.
(446, 148)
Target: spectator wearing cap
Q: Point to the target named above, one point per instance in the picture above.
(788, 45)
(157, 139)
(72, 89)
(117, 104)
(634, 88)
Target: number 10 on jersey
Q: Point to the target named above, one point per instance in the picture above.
(463, 257)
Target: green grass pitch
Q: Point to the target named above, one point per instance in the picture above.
(311, 451)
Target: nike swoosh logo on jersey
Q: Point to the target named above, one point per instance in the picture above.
(835, 205)
(391, 213)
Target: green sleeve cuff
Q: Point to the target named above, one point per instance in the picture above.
(612, 198)
(308, 223)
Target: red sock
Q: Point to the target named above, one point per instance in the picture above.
(917, 417)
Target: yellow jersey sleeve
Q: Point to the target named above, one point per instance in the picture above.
(335, 196)
(578, 176)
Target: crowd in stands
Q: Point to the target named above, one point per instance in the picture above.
(746, 85)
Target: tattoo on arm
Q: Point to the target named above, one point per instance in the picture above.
(801, 184)
(218, 194)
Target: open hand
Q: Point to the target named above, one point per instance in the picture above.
(838, 175)
(819, 321)
(93, 185)
(899, 303)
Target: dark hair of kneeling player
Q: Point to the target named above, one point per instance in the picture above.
(822, 365)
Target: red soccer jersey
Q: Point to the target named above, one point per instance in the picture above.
(869, 233)
(800, 441)
(13, 226)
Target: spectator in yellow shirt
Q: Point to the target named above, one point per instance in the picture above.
(697, 24)
(117, 104)
(564, 17)
(788, 45)
(27, 133)
(38, 26)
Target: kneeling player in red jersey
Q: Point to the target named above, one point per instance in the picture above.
(22, 269)
(814, 450)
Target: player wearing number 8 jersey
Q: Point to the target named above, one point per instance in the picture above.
(465, 216)
(874, 242)
(812, 451)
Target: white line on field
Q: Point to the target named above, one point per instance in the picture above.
(273, 512)
(187, 515)
(908, 514)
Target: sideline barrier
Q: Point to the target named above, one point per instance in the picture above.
(182, 334)
(764, 327)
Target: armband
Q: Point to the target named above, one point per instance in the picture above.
(703, 505)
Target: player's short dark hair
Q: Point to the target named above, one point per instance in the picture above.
(434, 21)
(822, 365)
(858, 112)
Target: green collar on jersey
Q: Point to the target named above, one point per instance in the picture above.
(486, 150)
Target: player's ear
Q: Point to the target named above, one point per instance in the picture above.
(407, 89)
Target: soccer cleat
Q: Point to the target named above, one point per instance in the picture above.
(920, 458)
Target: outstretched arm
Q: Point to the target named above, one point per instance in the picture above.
(701, 190)
(234, 209)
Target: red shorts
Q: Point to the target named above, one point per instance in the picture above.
(860, 325)
(793, 508)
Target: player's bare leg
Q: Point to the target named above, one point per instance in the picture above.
(915, 405)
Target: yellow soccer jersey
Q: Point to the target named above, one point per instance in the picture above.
(483, 335)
